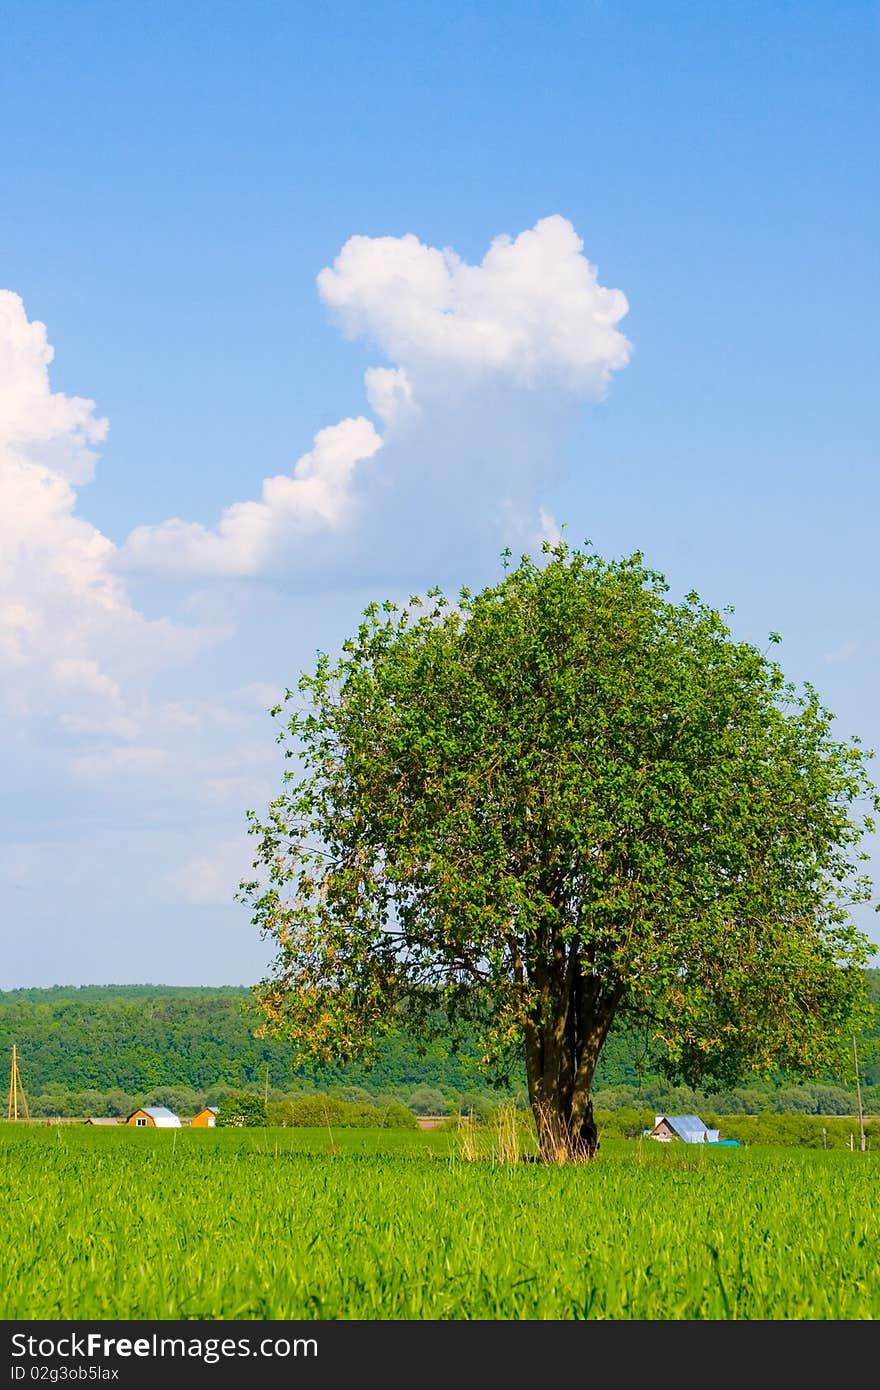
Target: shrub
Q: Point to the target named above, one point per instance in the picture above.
(242, 1111)
(625, 1123)
(427, 1100)
(320, 1111)
(397, 1116)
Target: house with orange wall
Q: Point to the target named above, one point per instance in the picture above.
(205, 1118)
(153, 1117)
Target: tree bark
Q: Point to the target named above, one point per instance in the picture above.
(562, 1107)
(562, 1046)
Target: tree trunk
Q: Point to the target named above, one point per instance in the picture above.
(562, 1046)
(559, 1094)
(562, 1139)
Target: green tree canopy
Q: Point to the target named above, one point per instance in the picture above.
(558, 802)
(242, 1111)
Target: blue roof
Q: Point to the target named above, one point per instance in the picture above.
(686, 1125)
(690, 1129)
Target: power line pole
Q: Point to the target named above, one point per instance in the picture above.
(16, 1092)
(862, 1144)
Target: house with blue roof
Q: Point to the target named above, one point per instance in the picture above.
(690, 1129)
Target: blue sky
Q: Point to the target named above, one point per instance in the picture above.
(446, 277)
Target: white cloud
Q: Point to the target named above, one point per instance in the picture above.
(37, 424)
(490, 362)
(390, 393)
(212, 877)
(533, 310)
(131, 760)
(69, 635)
(195, 752)
(252, 537)
(82, 673)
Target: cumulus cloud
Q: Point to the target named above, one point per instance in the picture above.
(486, 364)
(489, 362)
(251, 537)
(69, 635)
(532, 311)
(390, 393)
(37, 424)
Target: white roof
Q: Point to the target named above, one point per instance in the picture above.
(162, 1117)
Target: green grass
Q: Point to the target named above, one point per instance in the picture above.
(312, 1224)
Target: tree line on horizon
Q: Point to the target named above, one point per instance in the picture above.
(106, 1049)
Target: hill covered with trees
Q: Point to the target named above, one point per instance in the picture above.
(104, 1049)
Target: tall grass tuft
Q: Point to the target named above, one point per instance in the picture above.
(508, 1144)
(467, 1145)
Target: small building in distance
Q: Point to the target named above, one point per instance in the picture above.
(205, 1118)
(690, 1129)
(154, 1116)
(103, 1120)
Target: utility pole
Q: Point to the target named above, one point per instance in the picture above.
(266, 1087)
(862, 1144)
(17, 1096)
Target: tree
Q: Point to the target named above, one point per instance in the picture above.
(242, 1111)
(558, 802)
(427, 1100)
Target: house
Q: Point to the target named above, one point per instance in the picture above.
(688, 1128)
(205, 1118)
(103, 1120)
(157, 1116)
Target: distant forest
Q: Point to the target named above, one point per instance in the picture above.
(106, 1049)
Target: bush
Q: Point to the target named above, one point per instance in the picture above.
(799, 1130)
(397, 1116)
(314, 1112)
(242, 1111)
(427, 1100)
(625, 1123)
(320, 1111)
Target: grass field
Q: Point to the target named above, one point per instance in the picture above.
(355, 1224)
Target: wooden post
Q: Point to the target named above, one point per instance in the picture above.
(862, 1144)
(17, 1096)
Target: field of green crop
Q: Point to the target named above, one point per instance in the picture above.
(307, 1224)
